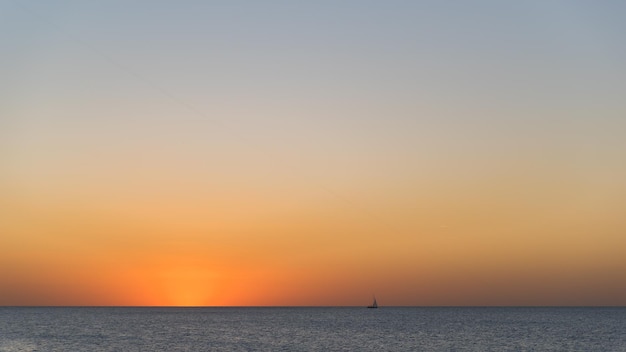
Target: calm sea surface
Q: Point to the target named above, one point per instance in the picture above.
(312, 329)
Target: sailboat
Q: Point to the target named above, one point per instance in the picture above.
(374, 304)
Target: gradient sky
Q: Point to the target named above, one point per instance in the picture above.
(312, 153)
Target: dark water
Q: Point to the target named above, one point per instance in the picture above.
(313, 329)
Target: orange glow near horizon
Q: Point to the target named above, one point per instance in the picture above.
(468, 247)
(428, 252)
(300, 260)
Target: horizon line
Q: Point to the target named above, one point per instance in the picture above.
(313, 306)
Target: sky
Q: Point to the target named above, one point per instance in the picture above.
(431, 153)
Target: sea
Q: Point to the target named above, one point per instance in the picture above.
(482, 329)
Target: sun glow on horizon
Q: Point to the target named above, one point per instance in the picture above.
(185, 286)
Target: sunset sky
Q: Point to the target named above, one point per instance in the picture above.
(312, 153)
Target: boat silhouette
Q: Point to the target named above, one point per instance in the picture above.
(374, 304)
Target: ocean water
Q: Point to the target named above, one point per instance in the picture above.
(312, 329)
